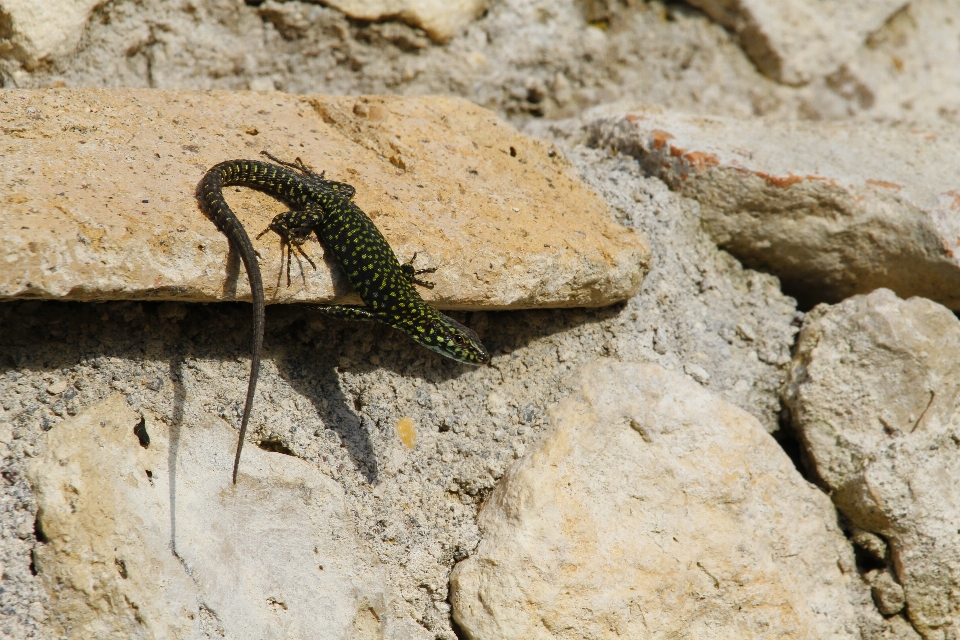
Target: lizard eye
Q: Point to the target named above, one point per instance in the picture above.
(459, 340)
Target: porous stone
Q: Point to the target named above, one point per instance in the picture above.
(144, 536)
(887, 592)
(97, 197)
(441, 19)
(796, 41)
(874, 392)
(654, 509)
(341, 396)
(832, 209)
(33, 30)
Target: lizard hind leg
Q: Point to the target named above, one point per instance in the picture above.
(294, 229)
(295, 246)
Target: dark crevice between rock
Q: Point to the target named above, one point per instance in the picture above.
(792, 444)
(41, 539)
(275, 446)
(38, 530)
(866, 561)
(457, 630)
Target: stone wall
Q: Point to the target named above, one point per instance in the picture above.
(665, 444)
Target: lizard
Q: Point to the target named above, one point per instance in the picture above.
(326, 208)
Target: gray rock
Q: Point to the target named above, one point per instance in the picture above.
(345, 397)
(439, 18)
(144, 536)
(887, 592)
(796, 41)
(34, 30)
(832, 209)
(874, 392)
(654, 509)
(522, 57)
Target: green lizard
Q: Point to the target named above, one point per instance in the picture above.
(325, 207)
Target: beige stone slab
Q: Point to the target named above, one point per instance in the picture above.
(874, 394)
(144, 537)
(97, 198)
(441, 19)
(654, 510)
(832, 209)
(34, 30)
(795, 41)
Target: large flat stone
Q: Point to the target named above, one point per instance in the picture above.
(655, 509)
(97, 198)
(832, 209)
(151, 540)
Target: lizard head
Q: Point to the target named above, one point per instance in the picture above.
(449, 338)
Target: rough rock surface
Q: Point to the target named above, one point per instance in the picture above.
(797, 41)
(654, 509)
(34, 30)
(87, 175)
(417, 444)
(347, 397)
(874, 392)
(144, 536)
(833, 209)
(523, 58)
(439, 18)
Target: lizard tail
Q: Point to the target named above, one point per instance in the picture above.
(213, 204)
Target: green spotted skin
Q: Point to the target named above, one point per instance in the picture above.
(325, 207)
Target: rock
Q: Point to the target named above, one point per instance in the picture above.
(98, 198)
(441, 19)
(275, 556)
(874, 392)
(795, 42)
(654, 509)
(337, 394)
(887, 593)
(34, 30)
(871, 543)
(832, 209)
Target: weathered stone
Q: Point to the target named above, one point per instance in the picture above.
(32, 30)
(796, 41)
(832, 209)
(275, 556)
(441, 19)
(336, 394)
(887, 592)
(874, 392)
(97, 198)
(656, 510)
(871, 543)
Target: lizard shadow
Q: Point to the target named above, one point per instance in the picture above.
(176, 426)
(232, 270)
(93, 337)
(315, 370)
(329, 348)
(312, 371)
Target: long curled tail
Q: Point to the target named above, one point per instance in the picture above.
(215, 207)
